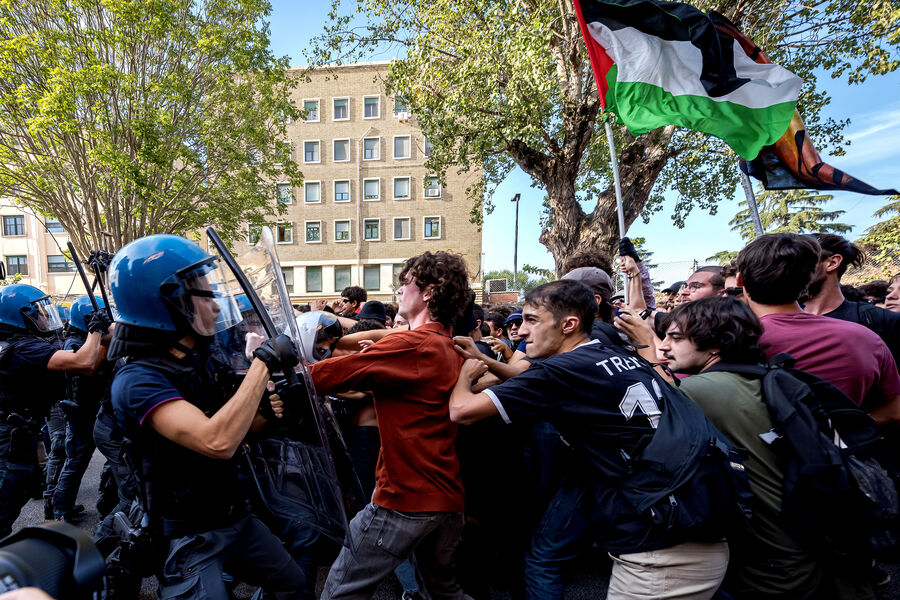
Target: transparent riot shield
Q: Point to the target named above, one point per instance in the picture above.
(293, 467)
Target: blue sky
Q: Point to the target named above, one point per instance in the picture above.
(874, 110)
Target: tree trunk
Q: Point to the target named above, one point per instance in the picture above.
(571, 230)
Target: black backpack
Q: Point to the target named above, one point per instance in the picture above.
(688, 482)
(837, 496)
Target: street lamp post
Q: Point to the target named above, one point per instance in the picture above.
(516, 243)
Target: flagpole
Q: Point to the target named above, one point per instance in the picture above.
(614, 164)
(751, 204)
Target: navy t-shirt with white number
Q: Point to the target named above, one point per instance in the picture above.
(604, 402)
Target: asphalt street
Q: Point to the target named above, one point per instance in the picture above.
(588, 580)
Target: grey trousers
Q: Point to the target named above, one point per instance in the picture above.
(383, 538)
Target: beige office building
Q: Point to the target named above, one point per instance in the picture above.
(33, 247)
(367, 202)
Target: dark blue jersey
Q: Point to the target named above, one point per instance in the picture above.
(27, 384)
(606, 403)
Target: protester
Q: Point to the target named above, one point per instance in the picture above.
(702, 334)
(874, 292)
(184, 418)
(373, 310)
(418, 504)
(570, 383)
(824, 296)
(351, 301)
(774, 270)
(892, 299)
(672, 292)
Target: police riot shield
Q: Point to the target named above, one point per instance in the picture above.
(294, 465)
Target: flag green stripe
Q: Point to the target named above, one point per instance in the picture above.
(645, 107)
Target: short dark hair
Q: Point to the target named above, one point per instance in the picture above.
(495, 319)
(851, 293)
(717, 280)
(587, 258)
(777, 267)
(832, 244)
(366, 325)
(449, 276)
(721, 322)
(729, 270)
(354, 293)
(478, 312)
(566, 297)
(390, 310)
(877, 290)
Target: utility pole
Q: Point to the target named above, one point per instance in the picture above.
(516, 199)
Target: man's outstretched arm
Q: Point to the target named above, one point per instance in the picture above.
(466, 406)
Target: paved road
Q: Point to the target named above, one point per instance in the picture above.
(588, 581)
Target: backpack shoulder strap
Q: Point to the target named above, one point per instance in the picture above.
(753, 370)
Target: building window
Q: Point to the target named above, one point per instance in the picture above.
(342, 190)
(341, 277)
(14, 225)
(401, 228)
(371, 148)
(284, 233)
(53, 225)
(372, 230)
(285, 193)
(371, 107)
(16, 264)
(341, 109)
(400, 105)
(311, 152)
(371, 189)
(401, 188)
(312, 192)
(432, 228)
(311, 108)
(427, 149)
(341, 151)
(282, 152)
(288, 274)
(432, 187)
(253, 233)
(401, 146)
(59, 264)
(372, 277)
(313, 232)
(396, 269)
(342, 230)
(313, 279)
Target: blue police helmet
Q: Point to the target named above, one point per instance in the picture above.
(168, 283)
(80, 312)
(25, 306)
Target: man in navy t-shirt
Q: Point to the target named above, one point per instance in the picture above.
(606, 403)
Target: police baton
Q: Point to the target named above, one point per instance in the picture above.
(289, 374)
(99, 261)
(84, 279)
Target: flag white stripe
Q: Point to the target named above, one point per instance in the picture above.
(675, 66)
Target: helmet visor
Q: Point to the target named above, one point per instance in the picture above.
(208, 302)
(43, 316)
(319, 333)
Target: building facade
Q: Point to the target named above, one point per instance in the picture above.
(32, 246)
(367, 202)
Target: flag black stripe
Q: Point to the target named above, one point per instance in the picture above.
(674, 21)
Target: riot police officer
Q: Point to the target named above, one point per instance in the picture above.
(30, 374)
(184, 420)
(84, 394)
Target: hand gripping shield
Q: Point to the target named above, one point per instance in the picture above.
(294, 468)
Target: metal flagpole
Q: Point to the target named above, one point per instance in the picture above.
(751, 204)
(614, 163)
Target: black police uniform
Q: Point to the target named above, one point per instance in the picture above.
(197, 503)
(27, 389)
(84, 393)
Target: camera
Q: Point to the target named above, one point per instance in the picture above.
(58, 558)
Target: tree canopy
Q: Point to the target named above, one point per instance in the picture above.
(882, 239)
(499, 83)
(123, 118)
(795, 211)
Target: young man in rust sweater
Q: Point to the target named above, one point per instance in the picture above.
(417, 507)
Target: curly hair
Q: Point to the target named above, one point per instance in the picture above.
(448, 274)
(588, 258)
(721, 322)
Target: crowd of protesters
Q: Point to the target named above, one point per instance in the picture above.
(495, 444)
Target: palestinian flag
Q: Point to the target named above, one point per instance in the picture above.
(666, 63)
